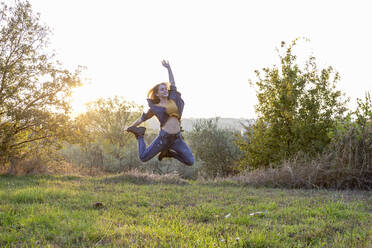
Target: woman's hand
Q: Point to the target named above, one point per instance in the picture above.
(165, 64)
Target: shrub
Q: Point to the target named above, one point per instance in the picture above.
(346, 163)
(215, 148)
(296, 108)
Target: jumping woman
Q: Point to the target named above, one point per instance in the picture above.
(166, 104)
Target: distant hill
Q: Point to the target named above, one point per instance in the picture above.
(187, 123)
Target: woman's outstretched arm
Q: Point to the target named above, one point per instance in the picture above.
(143, 118)
(137, 122)
(171, 78)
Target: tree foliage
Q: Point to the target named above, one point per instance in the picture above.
(297, 107)
(102, 128)
(34, 89)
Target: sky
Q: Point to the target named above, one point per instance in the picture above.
(213, 46)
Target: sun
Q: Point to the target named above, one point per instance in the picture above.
(81, 96)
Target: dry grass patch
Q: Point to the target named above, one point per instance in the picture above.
(308, 175)
(346, 164)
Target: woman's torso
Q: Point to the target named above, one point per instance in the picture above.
(172, 125)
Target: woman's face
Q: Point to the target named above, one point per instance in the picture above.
(162, 91)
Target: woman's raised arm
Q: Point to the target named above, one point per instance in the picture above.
(171, 78)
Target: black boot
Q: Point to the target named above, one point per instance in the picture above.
(137, 131)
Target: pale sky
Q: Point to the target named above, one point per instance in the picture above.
(213, 46)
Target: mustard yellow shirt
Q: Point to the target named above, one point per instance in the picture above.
(171, 109)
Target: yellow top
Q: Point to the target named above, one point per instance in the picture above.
(171, 109)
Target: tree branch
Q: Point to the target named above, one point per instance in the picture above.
(27, 141)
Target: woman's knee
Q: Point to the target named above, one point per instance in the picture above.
(143, 157)
(189, 160)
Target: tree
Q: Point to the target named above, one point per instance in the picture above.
(105, 122)
(34, 89)
(296, 109)
(215, 147)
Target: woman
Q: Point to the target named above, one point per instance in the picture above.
(167, 105)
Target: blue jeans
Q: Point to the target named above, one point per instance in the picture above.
(163, 142)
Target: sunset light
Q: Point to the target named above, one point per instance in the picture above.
(213, 46)
(198, 123)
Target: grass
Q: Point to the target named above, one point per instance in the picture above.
(112, 211)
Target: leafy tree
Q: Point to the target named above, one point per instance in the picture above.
(363, 112)
(34, 89)
(215, 147)
(104, 124)
(296, 109)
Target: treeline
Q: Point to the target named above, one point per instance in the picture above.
(304, 135)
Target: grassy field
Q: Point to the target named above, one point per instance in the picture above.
(122, 211)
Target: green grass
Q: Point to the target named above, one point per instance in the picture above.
(59, 211)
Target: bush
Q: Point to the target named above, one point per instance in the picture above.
(296, 108)
(30, 165)
(346, 163)
(93, 156)
(215, 148)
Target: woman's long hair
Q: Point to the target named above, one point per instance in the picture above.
(152, 93)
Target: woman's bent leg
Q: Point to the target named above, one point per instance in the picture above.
(182, 151)
(154, 148)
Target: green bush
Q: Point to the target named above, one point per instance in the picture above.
(215, 148)
(346, 163)
(296, 109)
